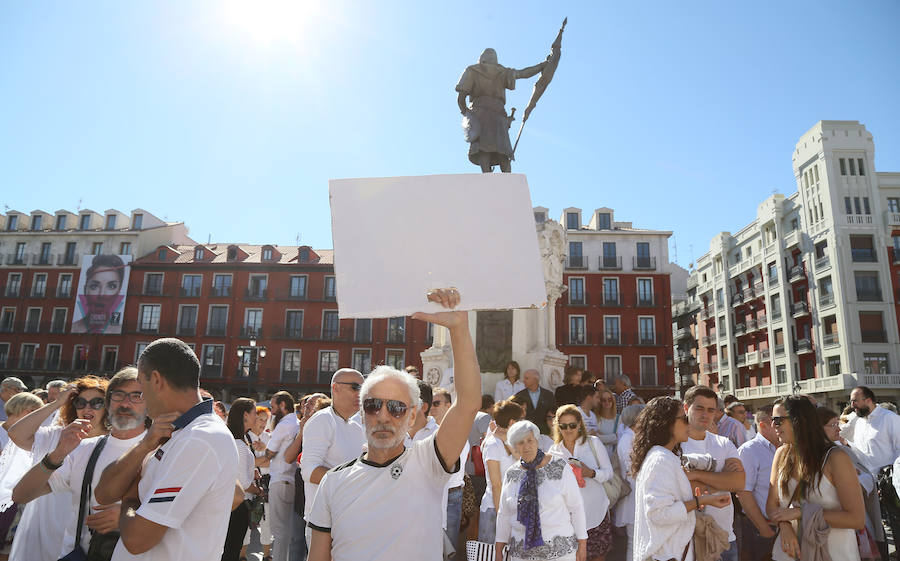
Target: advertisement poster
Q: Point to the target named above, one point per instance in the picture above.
(100, 300)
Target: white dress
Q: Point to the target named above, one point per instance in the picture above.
(841, 541)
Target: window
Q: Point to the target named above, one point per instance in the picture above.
(720, 297)
(648, 371)
(576, 259)
(161, 255)
(362, 331)
(267, 254)
(187, 320)
(39, 285)
(852, 164)
(781, 374)
(576, 291)
(362, 360)
(395, 358)
(61, 222)
(79, 358)
(775, 306)
(149, 318)
(396, 330)
(19, 257)
(834, 365)
(253, 322)
(610, 260)
(221, 285)
(328, 363)
(611, 291)
(821, 249)
(795, 223)
(232, 253)
(125, 248)
(779, 341)
(36, 222)
(218, 320)
(862, 249)
(572, 221)
(875, 363)
(860, 167)
(153, 284)
(4, 354)
(539, 218)
(258, 285)
(330, 292)
(843, 165)
(643, 255)
(26, 359)
(110, 221)
(85, 222)
(293, 324)
(303, 255)
(577, 334)
(7, 320)
(893, 204)
(611, 334)
(110, 358)
(137, 221)
(290, 366)
(190, 285)
(645, 292)
(58, 324)
(867, 286)
(32, 320)
(64, 288)
(330, 324)
(69, 258)
(138, 349)
(856, 205)
(54, 355)
(612, 367)
(646, 331)
(848, 206)
(212, 361)
(603, 221)
(198, 254)
(773, 273)
(13, 284)
(298, 286)
(871, 327)
(866, 206)
(97, 248)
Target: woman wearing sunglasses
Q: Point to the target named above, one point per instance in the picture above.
(44, 522)
(664, 518)
(588, 457)
(809, 468)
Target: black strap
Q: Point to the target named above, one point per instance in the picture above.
(86, 487)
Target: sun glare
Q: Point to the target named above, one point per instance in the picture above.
(271, 21)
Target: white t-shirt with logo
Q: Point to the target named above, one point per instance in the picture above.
(367, 507)
(721, 449)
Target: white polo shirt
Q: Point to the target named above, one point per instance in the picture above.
(328, 441)
(285, 432)
(187, 485)
(721, 449)
(367, 507)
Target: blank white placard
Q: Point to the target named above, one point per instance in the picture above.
(396, 238)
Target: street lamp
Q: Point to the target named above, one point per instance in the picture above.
(250, 356)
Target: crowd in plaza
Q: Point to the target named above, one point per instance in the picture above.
(146, 465)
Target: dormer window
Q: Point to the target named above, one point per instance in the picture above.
(604, 221)
(572, 221)
(540, 217)
(161, 255)
(61, 222)
(137, 221)
(36, 222)
(110, 221)
(267, 254)
(12, 223)
(198, 254)
(304, 255)
(232, 253)
(85, 221)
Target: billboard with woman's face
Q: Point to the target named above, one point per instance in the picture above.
(100, 300)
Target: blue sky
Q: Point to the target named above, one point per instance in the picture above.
(232, 116)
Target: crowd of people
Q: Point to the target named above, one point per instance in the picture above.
(146, 465)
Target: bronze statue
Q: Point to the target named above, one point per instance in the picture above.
(486, 123)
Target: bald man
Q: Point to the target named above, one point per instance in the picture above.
(538, 401)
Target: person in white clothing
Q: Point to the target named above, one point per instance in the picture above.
(453, 491)
(362, 508)
(240, 419)
(664, 521)
(541, 514)
(586, 454)
(179, 483)
(331, 436)
(281, 474)
(62, 470)
(587, 401)
(259, 539)
(511, 384)
(624, 513)
(497, 456)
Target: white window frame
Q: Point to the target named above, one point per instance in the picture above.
(161, 284)
(322, 323)
(618, 289)
(606, 373)
(319, 360)
(64, 321)
(103, 356)
(583, 359)
(209, 316)
(333, 280)
(246, 324)
(637, 290)
(299, 363)
(655, 369)
(37, 348)
(59, 284)
(402, 352)
(653, 321)
(181, 308)
(355, 350)
(302, 319)
(583, 290)
(305, 286)
(584, 340)
(230, 285)
(250, 278)
(34, 284)
(9, 283)
(203, 358)
(138, 350)
(5, 355)
(39, 316)
(200, 287)
(47, 355)
(141, 309)
(619, 318)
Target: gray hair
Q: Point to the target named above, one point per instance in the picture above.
(889, 406)
(55, 384)
(383, 373)
(13, 382)
(625, 380)
(630, 414)
(519, 430)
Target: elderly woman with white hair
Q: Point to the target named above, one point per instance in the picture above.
(624, 511)
(541, 513)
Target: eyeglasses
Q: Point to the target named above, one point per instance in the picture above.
(97, 403)
(133, 397)
(568, 426)
(833, 425)
(776, 421)
(355, 386)
(372, 405)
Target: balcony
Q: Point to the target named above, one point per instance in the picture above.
(723, 362)
(830, 340)
(737, 299)
(251, 331)
(68, 260)
(682, 333)
(14, 259)
(612, 299)
(803, 346)
(741, 360)
(576, 262)
(776, 315)
(709, 367)
(764, 355)
(610, 263)
(762, 321)
(762, 392)
(863, 255)
(740, 328)
(791, 238)
(33, 327)
(684, 358)
(706, 313)
(12, 291)
(874, 336)
(396, 337)
(578, 299)
(797, 273)
(751, 358)
(211, 371)
(646, 339)
(188, 330)
(57, 327)
(579, 338)
(773, 280)
(823, 263)
(826, 300)
(692, 282)
(868, 295)
(293, 333)
(255, 294)
(38, 292)
(799, 309)
(291, 295)
(710, 339)
(220, 292)
(216, 329)
(613, 339)
(891, 381)
(152, 290)
(189, 291)
(779, 350)
(646, 300)
(751, 325)
(840, 382)
(643, 263)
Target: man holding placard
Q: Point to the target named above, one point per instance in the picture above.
(358, 505)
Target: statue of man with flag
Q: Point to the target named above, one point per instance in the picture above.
(485, 122)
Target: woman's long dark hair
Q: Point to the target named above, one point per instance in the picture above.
(653, 427)
(235, 419)
(806, 454)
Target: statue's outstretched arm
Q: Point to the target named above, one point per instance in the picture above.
(530, 71)
(461, 101)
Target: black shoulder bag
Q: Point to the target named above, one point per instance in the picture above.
(78, 554)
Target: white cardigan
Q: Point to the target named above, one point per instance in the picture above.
(624, 514)
(662, 524)
(596, 503)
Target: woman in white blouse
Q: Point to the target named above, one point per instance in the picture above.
(541, 513)
(497, 456)
(607, 419)
(664, 523)
(624, 512)
(511, 384)
(588, 455)
(241, 418)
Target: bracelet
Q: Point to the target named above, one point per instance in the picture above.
(697, 501)
(45, 461)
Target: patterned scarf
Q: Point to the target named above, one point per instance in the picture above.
(527, 508)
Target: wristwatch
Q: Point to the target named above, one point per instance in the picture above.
(47, 463)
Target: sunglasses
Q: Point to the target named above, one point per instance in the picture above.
(133, 397)
(568, 426)
(372, 405)
(355, 386)
(776, 421)
(97, 403)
